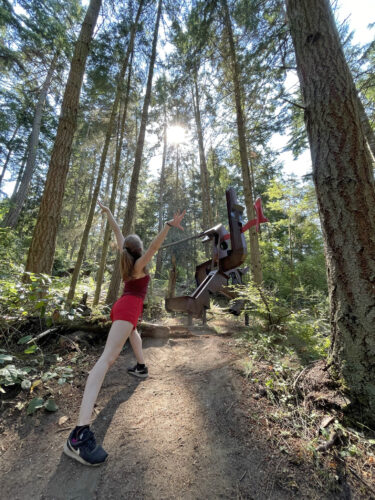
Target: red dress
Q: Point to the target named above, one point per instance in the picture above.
(130, 305)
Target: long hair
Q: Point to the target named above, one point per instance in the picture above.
(131, 251)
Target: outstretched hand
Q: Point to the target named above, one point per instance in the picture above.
(104, 209)
(177, 218)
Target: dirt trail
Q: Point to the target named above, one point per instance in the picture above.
(183, 433)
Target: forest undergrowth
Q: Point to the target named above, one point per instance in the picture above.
(280, 348)
(304, 423)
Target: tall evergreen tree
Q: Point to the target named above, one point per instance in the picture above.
(42, 248)
(112, 202)
(129, 217)
(18, 200)
(344, 182)
(162, 94)
(206, 202)
(256, 266)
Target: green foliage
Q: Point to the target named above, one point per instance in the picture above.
(50, 405)
(37, 403)
(263, 304)
(278, 329)
(28, 298)
(11, 375)
(11, 251)
(292, 245)
(5, 357)
(297, 143)
(34, 404)
(35, 369)
(23, 363)
(32, 33)
(31, 294)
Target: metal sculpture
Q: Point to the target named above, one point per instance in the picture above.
(213, 276)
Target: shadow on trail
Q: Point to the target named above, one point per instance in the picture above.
(234, 464)
(187, 432)
(188, 439)
(74, 481)
(237, 460)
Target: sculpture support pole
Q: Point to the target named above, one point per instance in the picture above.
(182, 241)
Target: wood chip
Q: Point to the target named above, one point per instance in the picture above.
(326, 421)
(62, 420)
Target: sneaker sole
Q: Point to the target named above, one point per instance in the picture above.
(71, 454)
(138, 375)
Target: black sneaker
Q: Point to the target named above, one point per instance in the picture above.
(138, 371)
(84, 448)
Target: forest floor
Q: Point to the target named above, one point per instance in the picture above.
(197, 427)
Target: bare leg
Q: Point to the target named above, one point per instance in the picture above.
(136, 343)
(119, 332)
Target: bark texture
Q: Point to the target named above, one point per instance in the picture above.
(43, 244)
(18, 202)
(255, 263)
(133, 189)
(343, 177)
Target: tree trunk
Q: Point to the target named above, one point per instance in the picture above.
(215, 172)
(291, 263)
(77, 181)
(11, 219)
(91, 183)
(172, 278)
(132, 197)
(109, 131)
(42, 248)
(112, 202)
(343, 177)
(256, 267)
(121, 196)
(159, 255)
(5, 166)
(177, 174)
(10, 149)
(206, 201)
(79, 193)
(370, 135)
(20, 174)
(105, 200)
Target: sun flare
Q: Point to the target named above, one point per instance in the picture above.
(176, 134)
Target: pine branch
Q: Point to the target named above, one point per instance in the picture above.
(293, 103)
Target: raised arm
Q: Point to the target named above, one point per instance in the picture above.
(114, 225)
(158, 240)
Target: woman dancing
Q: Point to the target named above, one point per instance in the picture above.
(81, 444)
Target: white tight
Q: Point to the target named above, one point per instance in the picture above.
(118, 334)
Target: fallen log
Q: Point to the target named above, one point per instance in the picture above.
(90, 329)
(154, 331)
(100, 326)
(158, 331)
